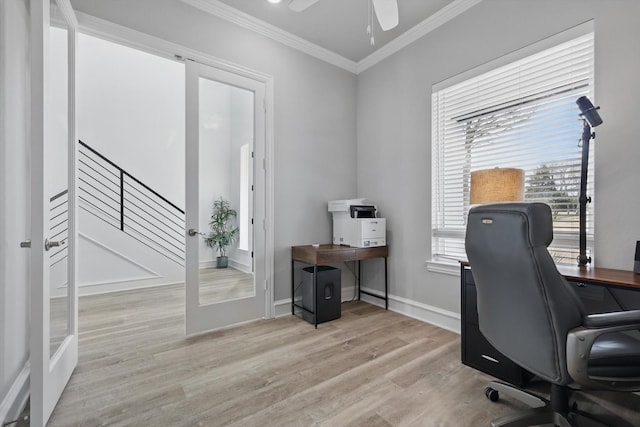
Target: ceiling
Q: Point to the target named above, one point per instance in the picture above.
(339, 25)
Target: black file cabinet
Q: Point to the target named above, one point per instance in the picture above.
(476, 350)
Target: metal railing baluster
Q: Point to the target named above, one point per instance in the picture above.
(121, 200)
(161, 223)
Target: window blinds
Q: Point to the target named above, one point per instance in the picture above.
(519, 115)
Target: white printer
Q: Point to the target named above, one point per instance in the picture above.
(355, 224)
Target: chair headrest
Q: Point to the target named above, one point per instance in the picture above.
(538, 217)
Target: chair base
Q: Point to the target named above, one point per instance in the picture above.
(554, 412)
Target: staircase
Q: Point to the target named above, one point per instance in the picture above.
(130, 236)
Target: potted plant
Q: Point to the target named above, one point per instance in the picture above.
(222, 234)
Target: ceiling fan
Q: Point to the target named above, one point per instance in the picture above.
(385, 10)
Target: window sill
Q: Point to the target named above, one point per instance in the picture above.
(443, 267)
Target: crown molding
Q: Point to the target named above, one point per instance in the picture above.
(439, 18)
(244, 20)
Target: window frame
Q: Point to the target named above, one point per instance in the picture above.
(567, 239)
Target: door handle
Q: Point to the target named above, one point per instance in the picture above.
(193, 232)
(25, 244)
(48, 244)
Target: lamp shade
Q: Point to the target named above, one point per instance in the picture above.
(497, 185)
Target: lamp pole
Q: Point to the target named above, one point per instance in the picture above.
(583, 259)
(590, 118)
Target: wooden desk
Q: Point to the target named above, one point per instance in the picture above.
(604, 290)
(601, 276)
(600, 289)
(328, 254)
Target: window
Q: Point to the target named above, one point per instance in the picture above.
(521, 115)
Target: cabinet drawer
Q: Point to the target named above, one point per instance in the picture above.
(479, 354)
(468, 277)
(470, 304)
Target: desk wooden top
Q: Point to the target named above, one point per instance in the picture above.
(327, 254)
(602, 276)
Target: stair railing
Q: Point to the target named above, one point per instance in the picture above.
(123, 201)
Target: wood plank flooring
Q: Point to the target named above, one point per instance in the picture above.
(370, 368)
(223, 284)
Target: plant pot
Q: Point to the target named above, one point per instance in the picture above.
(222, 262)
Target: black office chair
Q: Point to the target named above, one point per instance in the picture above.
(528, 312)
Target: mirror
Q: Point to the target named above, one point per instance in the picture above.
(56, 158)
(225, 192)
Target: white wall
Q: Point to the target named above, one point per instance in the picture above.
(109, 260)
(394, 127)
(130, 107)
(242, 129)
(314, 122)
(14, 205)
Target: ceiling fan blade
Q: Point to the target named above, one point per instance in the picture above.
(300, 5)
(387, 13)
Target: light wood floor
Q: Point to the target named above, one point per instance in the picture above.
(222, 284)
(370, 368)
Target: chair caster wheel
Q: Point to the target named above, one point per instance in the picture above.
(491, 394)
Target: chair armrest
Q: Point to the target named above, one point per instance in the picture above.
(580, 341)
(618, 318)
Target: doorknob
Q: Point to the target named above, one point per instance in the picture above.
(48, 244)
(193, 232)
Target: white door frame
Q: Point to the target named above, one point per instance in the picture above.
(106, 30)
(49, 375)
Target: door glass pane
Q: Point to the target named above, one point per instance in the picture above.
(56, 158)
(226, 125)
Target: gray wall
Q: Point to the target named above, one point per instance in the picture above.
(14, 197)
(315, 114)
(394, 127)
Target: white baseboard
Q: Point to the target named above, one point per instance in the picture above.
(117, 282)
(232, 263)
(207, 264)
(239, 266)
(282, 307)
(16, 399)
(444, 319)
(132, 286)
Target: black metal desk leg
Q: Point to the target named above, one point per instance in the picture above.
(293, 309)
(315, 295)
(358, 279)
(386, 286)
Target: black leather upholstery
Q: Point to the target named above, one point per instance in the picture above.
(522, 309)
(525, 307)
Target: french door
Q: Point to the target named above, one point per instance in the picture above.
(225, 152)
(54, 310)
